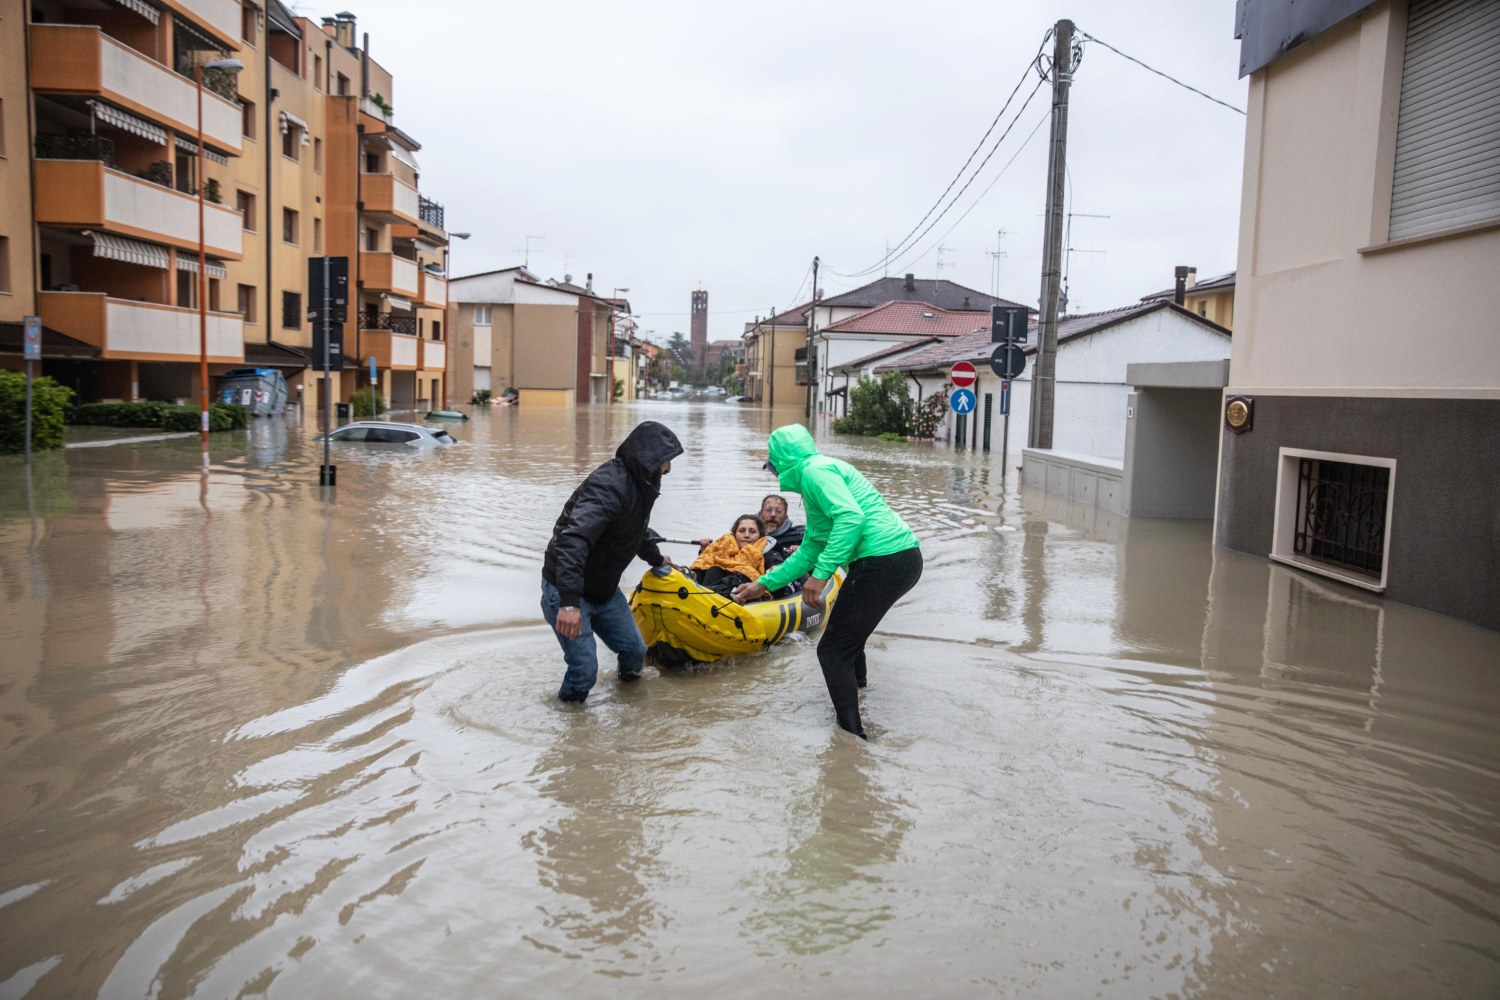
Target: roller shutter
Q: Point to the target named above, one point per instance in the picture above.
(1448, 133)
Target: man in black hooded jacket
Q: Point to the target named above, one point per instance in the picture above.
(603, 526)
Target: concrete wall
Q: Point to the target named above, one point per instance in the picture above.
(1082, 478)
(1171, 452)
(1445, 523)
(546, 346)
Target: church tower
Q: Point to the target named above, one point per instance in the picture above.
(699, 328)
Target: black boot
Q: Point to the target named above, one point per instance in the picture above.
(848, 717)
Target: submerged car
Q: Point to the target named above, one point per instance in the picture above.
(391, 432)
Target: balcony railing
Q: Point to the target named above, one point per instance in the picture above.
(89, 195)
(430, 212)
(391, 322)
(124, 328)
(76, 147)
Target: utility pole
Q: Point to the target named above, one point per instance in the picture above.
(1044, 378)
(812, 328)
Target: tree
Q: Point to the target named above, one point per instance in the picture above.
(878, 406)
(49, 405)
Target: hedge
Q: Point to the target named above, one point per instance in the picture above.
(49, 405)
(166, 416)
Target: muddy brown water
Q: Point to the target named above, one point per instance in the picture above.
(259, 741)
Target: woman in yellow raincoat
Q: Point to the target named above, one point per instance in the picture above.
(733, 558)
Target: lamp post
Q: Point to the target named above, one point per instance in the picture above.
(233, 66)
(448, 271)
(609, 354)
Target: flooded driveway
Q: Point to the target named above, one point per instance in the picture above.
(254, 741)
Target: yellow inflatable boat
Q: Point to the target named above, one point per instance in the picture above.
(682, 621)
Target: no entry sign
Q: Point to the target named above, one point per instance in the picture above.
(963, 375)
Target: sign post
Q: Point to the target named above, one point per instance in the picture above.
(33, 337)
(328, 285)
(1007, 333)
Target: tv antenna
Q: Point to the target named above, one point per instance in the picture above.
(995, 256)
(526, 251)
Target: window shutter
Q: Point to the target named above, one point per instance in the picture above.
(1448, 131)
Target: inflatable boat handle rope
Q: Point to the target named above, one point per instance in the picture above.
(682, 591)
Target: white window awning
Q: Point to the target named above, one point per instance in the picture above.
(128, 250)
(397, 302)
(142, 8)
(111, 115)
(187, 262)
(403, 154)
(291, 121)
(208, 154)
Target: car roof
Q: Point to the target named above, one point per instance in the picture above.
(390, 423)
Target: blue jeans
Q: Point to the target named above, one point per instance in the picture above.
(610, 620)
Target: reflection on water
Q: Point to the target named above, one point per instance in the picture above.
(260, 738)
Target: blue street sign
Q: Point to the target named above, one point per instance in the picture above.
(372, 369)
(33, 337)
(962, 400)
(1005, 398)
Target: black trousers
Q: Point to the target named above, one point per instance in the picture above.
(871, 587)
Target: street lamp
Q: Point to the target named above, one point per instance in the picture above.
(232, 66)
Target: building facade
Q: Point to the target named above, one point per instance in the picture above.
(550, 341)
(1363, 404)
(300, 160)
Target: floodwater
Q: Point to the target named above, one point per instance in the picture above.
(256, 741)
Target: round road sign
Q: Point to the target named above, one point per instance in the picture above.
(1008, 361)
(963, 375)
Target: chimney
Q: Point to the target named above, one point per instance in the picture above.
(343, 25)
(966, 302)
(1180, 287)
(911, 282)
(590, 283)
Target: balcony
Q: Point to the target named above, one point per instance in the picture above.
(388, 199)
(82, 194)
(385, 272)
(431, 213)
(398, 351)
(434, 291)
(434, 355)
(82, 60)
(142, 331)
(220, 17)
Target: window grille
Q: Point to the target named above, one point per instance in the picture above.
(1341, 514)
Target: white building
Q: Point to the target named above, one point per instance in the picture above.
(1360, 423)
(1093, 352)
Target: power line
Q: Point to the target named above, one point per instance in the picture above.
(1158, 72)
(903, 245)
(972, 178)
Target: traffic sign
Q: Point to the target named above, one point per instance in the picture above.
(1005, 398)
(1008, 324)
(963, 375)
(962, 400)
(1008, 361)
(33, 338)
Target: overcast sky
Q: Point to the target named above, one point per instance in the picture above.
(659, 145)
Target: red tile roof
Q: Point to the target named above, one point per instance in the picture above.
(913, 319)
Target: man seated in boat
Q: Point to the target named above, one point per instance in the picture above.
(732, 559)
(783, 536)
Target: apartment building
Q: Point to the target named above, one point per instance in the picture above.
(549, 340)
(1358, 426)
(301, 158)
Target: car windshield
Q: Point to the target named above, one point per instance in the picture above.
(442, 436)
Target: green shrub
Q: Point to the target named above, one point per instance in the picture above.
(221, 417)
(892, 436)
(481, 397)
(361, 401)
(49, 403)
(931, 412)
(878, 406)
(143, 414)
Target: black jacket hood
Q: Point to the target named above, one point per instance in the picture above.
(645, 448)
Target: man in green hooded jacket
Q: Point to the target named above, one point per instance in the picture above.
(848, 524)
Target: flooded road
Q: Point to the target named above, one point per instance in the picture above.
(256, 742)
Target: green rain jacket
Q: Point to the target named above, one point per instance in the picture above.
(847, 519)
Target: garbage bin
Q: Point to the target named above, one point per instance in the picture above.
(341, 411)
